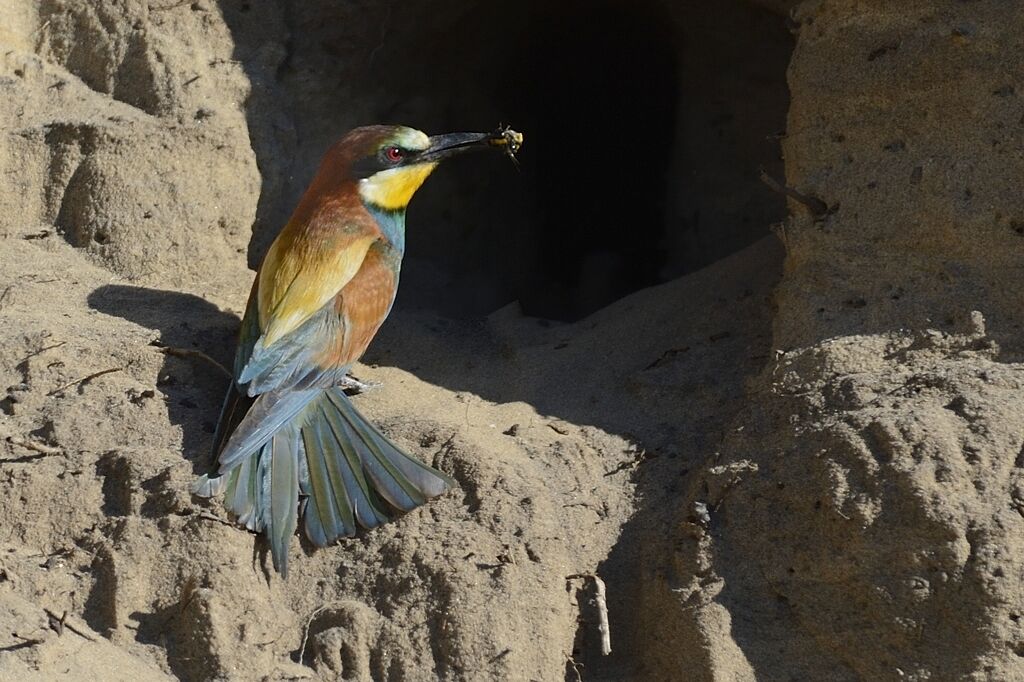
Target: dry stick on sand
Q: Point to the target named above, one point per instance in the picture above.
(309, 623)
(62, 622)
(217, 519)
(190, 353)
(25, 643)
(575, 667)
(601, 603)
(818, 208)
(84, 380)
(164, 8)
(43, 350)
(34, 445)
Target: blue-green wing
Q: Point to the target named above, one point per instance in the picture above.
(249, 332)
(236, 403)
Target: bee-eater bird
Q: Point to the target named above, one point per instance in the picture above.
(289, 441)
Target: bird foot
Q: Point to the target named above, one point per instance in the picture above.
(350, 383)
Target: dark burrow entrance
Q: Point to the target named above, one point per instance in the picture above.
(646, 123)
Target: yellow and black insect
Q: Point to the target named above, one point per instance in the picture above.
(511, 140)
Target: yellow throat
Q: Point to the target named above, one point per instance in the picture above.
(392, 189)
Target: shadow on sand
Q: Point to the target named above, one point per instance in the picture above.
(193, 387)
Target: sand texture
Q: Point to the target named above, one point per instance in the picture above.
(801, 462)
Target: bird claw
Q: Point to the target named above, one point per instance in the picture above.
(350, 383)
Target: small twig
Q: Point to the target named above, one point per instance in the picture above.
(445, 447)
(305, 635)
(601, 603)
(192, 353)
(34, 445)
(5, 294)
(43, 350)
(63, 622)
(640, 458)
(22, 460)
(817, 207)
(84, 380)
(57, 624)
(575, 668)
(164, 8)
(25, 643)
(42, 28)
(670, 353)
(211, 517)
(42, 31)
(558, 429)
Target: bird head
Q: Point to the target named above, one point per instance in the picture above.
(389, 163)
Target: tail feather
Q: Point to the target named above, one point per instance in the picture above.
(378, 453)
(236, 405)
(244, 491)
(269, 413)
(314, 453)
(330, 515)
(284, 495)
(344, 462)
(419, 481)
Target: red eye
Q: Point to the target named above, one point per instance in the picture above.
(393, 154)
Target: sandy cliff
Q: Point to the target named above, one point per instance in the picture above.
(802, 461)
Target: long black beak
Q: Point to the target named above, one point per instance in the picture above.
(450, 144)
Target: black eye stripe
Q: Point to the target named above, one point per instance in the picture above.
(380, 161)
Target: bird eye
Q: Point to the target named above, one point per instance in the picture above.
(393, 154)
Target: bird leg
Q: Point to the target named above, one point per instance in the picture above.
(350, 383)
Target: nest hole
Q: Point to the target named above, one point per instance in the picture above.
(647, 123)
